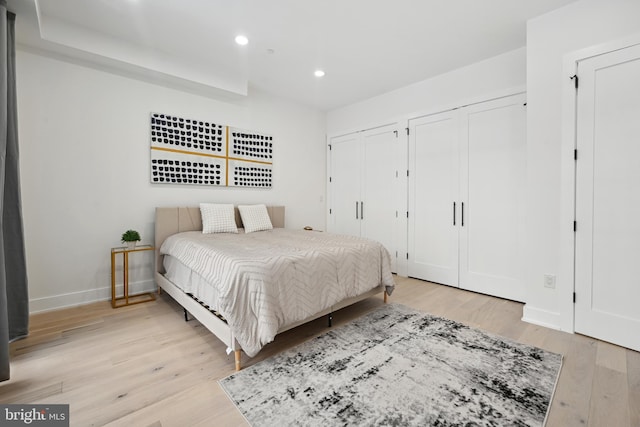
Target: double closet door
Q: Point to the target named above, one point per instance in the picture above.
(466, 197)
(362, 186)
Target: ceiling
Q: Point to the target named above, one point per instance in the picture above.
(366, 47)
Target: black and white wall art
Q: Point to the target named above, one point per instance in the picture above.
(189, 151)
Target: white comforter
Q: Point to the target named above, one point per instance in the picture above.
(270, 279)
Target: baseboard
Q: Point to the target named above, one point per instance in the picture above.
(537, 316)
(56, 302)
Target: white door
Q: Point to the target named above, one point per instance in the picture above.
(345, 177)
(434, 206)
(378, 195)
(492, 190)
(607, 274)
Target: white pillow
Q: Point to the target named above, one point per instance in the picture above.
(255, 218)
(217, 218)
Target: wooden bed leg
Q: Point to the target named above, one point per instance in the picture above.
(238, 354)
(385, 297)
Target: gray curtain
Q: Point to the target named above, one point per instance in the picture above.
(14, 300)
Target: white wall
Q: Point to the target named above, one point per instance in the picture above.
(473, 83)
(84, 141)
(549, 38)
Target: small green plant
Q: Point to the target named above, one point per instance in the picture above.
(130, 236)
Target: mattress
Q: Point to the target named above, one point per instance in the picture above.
(267, 280)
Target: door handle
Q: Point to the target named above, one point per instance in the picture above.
(357, 210)
(462, 215)
(454, 213)
(361, 210)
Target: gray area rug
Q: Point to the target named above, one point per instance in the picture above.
(396, 366)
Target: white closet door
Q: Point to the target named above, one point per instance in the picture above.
(433, 190)
(607, 198)
(378, 208)
(492, 190)
(345, 185)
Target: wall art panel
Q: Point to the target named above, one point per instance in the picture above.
(189, 151)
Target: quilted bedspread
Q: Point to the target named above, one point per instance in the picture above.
(271, 279)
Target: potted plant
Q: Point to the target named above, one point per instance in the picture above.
(130, 237)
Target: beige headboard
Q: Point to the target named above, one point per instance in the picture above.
(179, 219)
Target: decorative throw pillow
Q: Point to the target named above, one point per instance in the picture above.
(255, 218)
(218, 218)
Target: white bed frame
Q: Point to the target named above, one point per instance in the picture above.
(172, 220)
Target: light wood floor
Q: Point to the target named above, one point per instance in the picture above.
(145, 366)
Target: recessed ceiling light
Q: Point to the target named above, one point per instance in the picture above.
(242, 40)
(318, 73)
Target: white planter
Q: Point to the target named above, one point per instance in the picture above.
(131, 245)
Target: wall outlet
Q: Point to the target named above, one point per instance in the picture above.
(549, 281)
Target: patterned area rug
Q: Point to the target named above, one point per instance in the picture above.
(396, 366)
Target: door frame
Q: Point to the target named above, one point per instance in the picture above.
(566, 273)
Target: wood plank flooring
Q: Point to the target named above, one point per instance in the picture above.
(144, 365)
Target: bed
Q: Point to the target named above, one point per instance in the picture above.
(247, 287)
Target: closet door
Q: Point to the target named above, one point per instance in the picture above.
(492, 190)
(607, 198)
(378, 201)
(434, 206)
(345, 185)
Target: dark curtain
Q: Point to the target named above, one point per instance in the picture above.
(14, 300)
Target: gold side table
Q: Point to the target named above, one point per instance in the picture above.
(127, 299)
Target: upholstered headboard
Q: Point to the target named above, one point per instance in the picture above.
(174, 220)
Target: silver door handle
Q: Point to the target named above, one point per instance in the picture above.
(356, 210)
(361, 210)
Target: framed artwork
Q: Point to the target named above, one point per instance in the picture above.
(197, 152)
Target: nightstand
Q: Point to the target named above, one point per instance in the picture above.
(126, 299)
